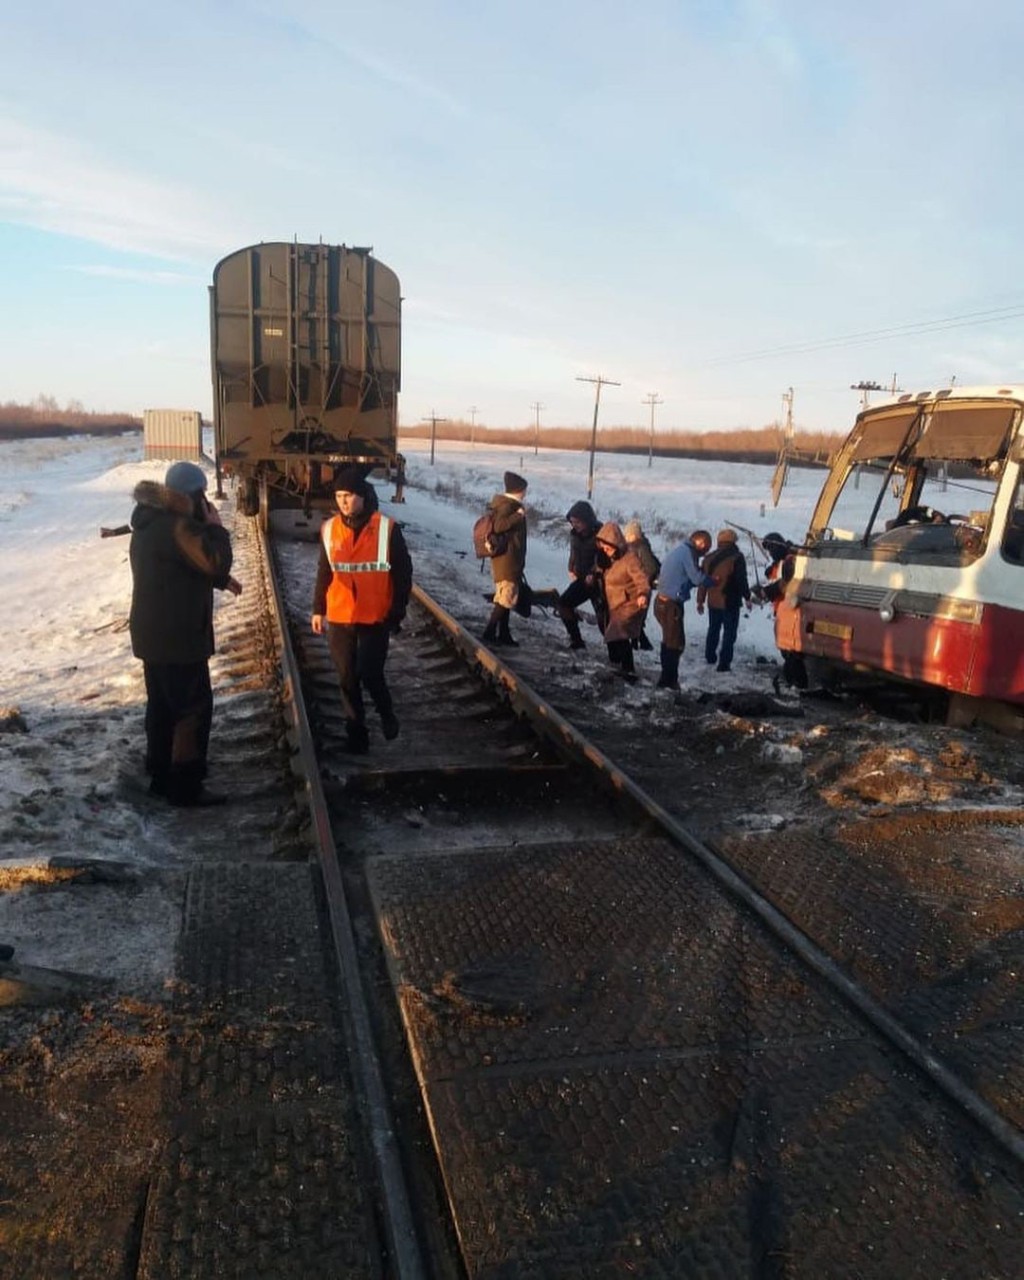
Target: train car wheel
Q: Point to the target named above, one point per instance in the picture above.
(249, 498)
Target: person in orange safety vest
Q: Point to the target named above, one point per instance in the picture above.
(363, 581)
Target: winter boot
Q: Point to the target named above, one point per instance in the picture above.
(490, 632)
(504, 634)
(357, 738)
(645, 644)
(576, 641)
(669, 668)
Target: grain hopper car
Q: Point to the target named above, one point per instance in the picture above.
(306, 362)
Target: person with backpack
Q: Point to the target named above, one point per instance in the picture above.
(728, 568)
(583, 527)
(508, 564)
(680, 573)
(363, 583)
(638, 543)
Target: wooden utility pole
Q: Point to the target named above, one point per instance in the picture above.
(536, 407)
(433, 420)
(652, 400)
(598, 382)
(472, 411)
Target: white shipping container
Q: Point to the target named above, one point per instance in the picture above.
(172, 433)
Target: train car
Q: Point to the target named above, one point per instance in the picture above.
(913, 566)
(306, 358)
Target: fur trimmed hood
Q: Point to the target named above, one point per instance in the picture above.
(151, 493)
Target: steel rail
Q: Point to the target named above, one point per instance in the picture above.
(403, 1241)
(555, 728)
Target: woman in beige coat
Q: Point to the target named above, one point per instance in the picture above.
(626, 593)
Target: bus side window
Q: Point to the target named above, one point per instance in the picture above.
(1013, 540)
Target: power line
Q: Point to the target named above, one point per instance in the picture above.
(967, 320)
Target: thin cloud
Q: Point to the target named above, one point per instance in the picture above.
(59, 184)
(138, 275)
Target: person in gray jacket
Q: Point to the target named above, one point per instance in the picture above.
(680, 573)
(179, 552)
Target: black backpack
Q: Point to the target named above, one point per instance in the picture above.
(486, 542)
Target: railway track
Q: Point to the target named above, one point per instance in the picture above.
(588, 1043)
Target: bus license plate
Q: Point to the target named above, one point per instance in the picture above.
(840, 630)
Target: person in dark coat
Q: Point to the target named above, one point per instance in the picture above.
(728, 567)
(639, 544)
(363, 583)
(583, 527)
(179, 553)
(626, 592)
(508, 568)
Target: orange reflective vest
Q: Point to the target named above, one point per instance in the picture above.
(361, 588)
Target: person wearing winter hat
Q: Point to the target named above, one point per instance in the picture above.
(779, 575)
(583, 527)
(626, 591)
(727, 566)
(680, 573)
(638, 543)
(507, 568)
(179, 553)
(363, 582)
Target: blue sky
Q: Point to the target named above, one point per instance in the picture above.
(712, 200)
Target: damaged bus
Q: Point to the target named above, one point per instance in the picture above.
(913, 566)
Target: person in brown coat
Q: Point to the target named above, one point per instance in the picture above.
(627, 592)
(509, 566)
(640, 545)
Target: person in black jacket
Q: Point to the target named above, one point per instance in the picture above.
(583, 527)
(179, 552)
(361, 593)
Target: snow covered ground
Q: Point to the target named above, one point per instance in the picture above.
(72, 695)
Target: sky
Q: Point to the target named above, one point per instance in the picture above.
(707, 201)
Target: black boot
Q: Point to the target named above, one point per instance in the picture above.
(490, 632)
(504, 634)
(572, 626)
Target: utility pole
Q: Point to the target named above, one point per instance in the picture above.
(598, 382)
(787, 400)
(652, 400)
(433, 420)
(536, 407)
(865, 388)
(472, 411)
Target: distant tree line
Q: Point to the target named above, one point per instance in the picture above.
(747, 444)
(45, 417)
